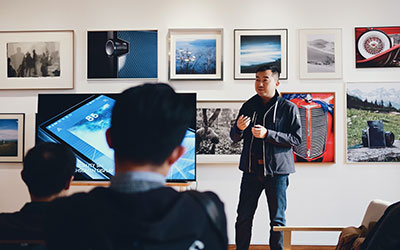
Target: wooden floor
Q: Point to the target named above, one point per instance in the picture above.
(265, 247)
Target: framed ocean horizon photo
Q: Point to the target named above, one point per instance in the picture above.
(11, 137)
(259, 47)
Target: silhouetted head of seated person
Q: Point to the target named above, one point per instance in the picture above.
(48, 170)
(138, 211)
(147, 127)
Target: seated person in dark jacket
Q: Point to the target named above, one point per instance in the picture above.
(138, 211)
(385, 235)
(48, 171)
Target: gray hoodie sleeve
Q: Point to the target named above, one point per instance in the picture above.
(291, 138)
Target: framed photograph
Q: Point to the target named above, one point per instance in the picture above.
(373, 118)
(195, 54)
(320, 53)
(317, 112)
(37, 59)
(260, 47)
(377, 47)
(11, 137)
(122, 54)
(214, 121)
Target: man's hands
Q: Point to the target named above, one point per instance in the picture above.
(243, 122)
(259, 131)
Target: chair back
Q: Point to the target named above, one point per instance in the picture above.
(374, 211)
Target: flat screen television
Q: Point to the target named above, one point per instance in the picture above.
(81, 120)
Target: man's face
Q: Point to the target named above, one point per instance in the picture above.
(266, 84)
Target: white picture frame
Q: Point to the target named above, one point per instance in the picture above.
(37, 59)
(225, 152)
(312, 149)
(122, 54)
(320, 53)
(195, 54)
(253, 46)
(372, 101)
(12, 128)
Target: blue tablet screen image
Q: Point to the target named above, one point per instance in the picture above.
(184, 168)
(83, 127)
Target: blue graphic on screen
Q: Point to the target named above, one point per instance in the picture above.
(84, 130)
(141, 61)
(184, 168)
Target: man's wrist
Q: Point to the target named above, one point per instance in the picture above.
(266, 133)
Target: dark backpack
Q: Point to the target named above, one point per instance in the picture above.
(213, 235)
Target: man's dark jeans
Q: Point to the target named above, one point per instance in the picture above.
(250, 191)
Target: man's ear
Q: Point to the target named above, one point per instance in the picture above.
(22, 175)
(68, 184)
(277, 83)
(176, 154)
(108, 138)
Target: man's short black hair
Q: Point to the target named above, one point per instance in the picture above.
(148, 122)
(47, 168)
(275, 71)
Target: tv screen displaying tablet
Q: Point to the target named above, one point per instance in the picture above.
(81, 120)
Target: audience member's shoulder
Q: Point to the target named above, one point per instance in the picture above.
(77, 205)
(392, 213)
(8, 219)
(6, 215)
(77, 199)
(395, 206)
(213, 196)
(24, 224)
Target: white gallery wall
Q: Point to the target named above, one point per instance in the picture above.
(319, 194)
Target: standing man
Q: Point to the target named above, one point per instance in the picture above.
(270, 126)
